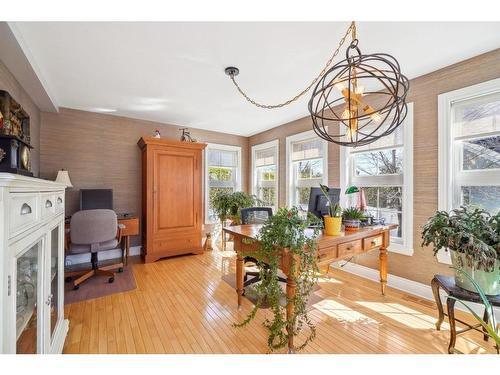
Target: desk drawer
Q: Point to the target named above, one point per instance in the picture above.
(372, 242)
(23, 212)
(350, 248)
(131, 226)
(327, 254)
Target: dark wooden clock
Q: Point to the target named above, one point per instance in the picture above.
(15, 148)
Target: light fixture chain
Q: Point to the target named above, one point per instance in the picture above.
(350, 30)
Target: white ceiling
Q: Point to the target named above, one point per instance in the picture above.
(174, 72)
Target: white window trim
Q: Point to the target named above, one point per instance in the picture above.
(407, 247)
(304, 136)
(262, 146)
(445, 144)
(218, 146)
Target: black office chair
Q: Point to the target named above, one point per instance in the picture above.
(255, 215)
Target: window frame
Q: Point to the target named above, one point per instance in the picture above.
(301, 137)
(405, 181)
(263, 146)
(449, 157)
(220, 147)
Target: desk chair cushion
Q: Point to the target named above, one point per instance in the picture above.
(95, 230)
(101, 246)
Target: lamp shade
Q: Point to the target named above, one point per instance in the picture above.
(63, 178)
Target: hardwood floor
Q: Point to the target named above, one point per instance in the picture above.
(181, 305)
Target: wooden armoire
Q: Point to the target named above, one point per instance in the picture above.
(172, 197)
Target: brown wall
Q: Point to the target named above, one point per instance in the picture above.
(100, 151)
(423, 93)
(10, 84)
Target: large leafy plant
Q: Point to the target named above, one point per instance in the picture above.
(227, 205)
(467, 230)
(286, 231)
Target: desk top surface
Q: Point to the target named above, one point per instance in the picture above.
(252, 230)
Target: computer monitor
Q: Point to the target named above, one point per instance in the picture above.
(91, 199)
(318, 204)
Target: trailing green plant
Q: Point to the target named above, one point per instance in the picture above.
(334, 210)
(466, 230)
(227, 205)
(491, 327)
(286, 231)
(353, 213)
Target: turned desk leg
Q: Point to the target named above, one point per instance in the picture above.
(290, 307)
(239, 278)
(437, 298)
(383, 269)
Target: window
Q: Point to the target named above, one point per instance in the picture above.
(265, 172)
(223, 173)
(469, 148)
(384, 169)
(307, 163)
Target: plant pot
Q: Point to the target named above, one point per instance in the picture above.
(351, 225)
(333, 225)
(488, 281)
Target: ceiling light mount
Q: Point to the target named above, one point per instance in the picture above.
(232, 71)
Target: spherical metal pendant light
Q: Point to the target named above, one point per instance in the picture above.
(360, 99)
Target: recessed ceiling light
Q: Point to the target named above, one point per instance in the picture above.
(102, 110)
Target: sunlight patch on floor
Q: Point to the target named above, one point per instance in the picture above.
(341, 312)
(403, 314)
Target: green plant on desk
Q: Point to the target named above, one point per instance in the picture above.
(285, 231)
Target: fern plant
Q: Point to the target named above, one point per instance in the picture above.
(286, 231)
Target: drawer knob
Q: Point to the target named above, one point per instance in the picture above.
(48, 203)
(25, 209)
(59, 200)
(374, 242)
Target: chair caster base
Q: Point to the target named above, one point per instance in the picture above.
(76, 287)
(111, 280)
(68, 279)
(120, 269)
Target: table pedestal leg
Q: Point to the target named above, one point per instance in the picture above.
(239, 278)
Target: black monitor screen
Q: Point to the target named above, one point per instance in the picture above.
(318, 204)
(91, 199)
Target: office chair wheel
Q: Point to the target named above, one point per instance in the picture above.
(111, 280)
(68, 279)
(76, 287)
(120, 269)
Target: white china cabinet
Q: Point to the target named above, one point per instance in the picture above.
(31, 265)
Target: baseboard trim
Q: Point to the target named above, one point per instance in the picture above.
(409, 286)
(111, 254)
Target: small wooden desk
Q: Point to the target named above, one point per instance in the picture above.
(330, 249)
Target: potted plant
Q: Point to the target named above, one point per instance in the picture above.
(352, 218)
(227, 204)
(333, 221)
(473, 237)
(288, 231)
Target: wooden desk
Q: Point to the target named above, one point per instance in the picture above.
(131, 223)
(330, 249)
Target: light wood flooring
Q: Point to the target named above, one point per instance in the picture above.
(181, 305)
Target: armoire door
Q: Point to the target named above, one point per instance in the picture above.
(176, 191)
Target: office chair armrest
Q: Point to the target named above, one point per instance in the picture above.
(121, 227)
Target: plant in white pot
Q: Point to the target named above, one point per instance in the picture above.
(473, 238)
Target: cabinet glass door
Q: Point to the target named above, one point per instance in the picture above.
(27, 285)
(54, 277)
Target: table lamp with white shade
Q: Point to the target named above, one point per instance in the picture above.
(63, 178)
